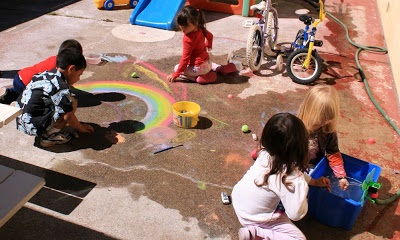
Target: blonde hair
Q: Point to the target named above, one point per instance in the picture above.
(320, 109)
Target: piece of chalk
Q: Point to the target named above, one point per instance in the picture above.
(254, 154)
(230, 96)
(134, 75)
(254, 136)
(371, 140)
(168, 148)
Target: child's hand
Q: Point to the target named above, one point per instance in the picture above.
(343, 184)
(323, 182)
(170, 78)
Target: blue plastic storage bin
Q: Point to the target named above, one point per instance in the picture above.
(333, 210)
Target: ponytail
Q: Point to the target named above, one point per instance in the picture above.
(201, 22)
(192, 15)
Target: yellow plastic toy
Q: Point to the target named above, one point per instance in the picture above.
(109, 4)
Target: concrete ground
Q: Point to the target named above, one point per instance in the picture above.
(110, 185)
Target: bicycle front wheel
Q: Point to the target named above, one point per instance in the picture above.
(271, 32)
(254, 48)
(297, 72)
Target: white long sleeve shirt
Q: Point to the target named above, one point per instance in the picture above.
(257, 204)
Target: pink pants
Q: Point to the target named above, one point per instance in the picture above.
(282, 228)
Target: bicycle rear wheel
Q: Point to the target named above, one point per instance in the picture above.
(254, 48)
(271, 32)
(297, 72)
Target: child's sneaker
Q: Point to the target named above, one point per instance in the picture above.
(228, 68)
(54, 138)
(8, 97)
(207, 78)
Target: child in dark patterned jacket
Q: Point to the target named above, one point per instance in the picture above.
(46, 103)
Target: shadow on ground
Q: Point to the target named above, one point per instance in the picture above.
(16, 12)
(30, 224)
(62, 193)
(102, 137)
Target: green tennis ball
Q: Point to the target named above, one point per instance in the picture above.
(245, 128)
(134, 75)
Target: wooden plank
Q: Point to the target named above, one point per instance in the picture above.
(5, 172)
(8, 113)
(15, 191)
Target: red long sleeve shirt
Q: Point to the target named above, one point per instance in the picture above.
(194, 50)
(27, 73)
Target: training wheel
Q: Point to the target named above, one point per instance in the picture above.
(279, 62)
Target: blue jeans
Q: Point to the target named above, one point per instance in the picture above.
(18, 85)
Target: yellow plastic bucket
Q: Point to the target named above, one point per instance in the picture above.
(185, 114)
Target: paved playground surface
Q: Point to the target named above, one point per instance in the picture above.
(111, 185)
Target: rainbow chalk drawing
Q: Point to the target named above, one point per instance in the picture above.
(159, 103)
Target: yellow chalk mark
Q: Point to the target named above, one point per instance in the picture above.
(153, 76)
(201, 185)
(221, 124)
(127, 72)
(184, 135)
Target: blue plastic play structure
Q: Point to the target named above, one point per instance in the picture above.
(157, 13)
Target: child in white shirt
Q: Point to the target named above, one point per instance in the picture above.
(276, 177)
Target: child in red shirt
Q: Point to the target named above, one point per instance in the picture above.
(195, 62)
(24, 76)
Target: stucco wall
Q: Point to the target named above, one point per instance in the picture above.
(389, 13)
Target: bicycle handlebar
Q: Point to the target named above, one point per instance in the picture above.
(314, 3)
(319, 6)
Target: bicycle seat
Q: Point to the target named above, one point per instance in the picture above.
(260, 6)
(307, 20)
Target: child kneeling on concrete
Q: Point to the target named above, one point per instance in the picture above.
(46, 103)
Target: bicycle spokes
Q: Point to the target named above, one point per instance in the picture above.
(254, 49)
(298, 70)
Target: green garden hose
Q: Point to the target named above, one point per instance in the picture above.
(389, 199)
(362, 48)
(371, 49)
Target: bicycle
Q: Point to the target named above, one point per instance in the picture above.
(262, 35)
(304, 65)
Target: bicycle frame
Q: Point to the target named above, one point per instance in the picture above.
(311, 37)
(262, 34)
(262, 19)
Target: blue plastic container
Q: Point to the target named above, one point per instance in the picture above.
(333, 210)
